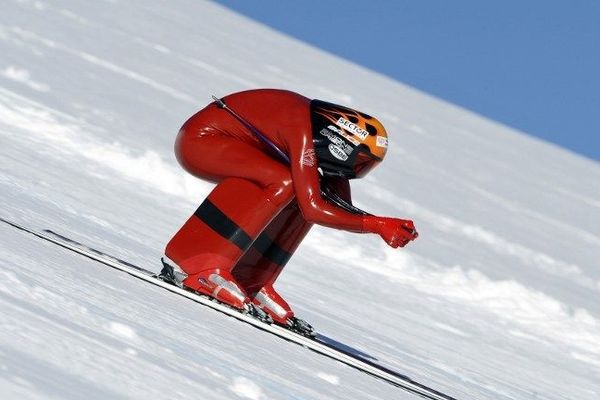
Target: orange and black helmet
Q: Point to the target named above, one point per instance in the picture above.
(348, 143)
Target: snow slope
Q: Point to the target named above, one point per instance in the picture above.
(498, 298)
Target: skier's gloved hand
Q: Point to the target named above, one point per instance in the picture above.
(396, 232)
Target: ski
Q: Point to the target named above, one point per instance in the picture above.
(317, 343)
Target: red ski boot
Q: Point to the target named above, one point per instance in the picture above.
(213, 282)
(219, 285)
(268, 300)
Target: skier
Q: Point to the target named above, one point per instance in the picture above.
(281, 163)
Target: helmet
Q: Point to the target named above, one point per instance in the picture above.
(347, 143)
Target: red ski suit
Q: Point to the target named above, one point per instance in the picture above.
(262, 208)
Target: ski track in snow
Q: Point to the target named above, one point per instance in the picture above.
(68, 136)
(22, 34)
(246, 388)
(22, 76)
(526, 326)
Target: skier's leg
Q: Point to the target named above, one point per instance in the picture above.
(261, 265)
(268, 255)
(253, 188)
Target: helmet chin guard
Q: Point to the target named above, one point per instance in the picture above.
(347, 143)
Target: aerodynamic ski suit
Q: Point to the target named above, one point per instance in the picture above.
(239, 239)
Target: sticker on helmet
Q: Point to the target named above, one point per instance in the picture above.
(381, 141)
(338, 141)
(337, 152)
(335, 129)
(353, 128)
(343, 134)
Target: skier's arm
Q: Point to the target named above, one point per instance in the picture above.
(305, 176)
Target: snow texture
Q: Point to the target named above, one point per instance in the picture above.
(497, 299)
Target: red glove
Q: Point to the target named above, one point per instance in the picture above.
(396, 232)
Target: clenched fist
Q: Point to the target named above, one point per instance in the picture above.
(396, 232)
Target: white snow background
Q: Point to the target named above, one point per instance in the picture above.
(497, 299)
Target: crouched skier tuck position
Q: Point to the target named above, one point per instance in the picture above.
(281, 163)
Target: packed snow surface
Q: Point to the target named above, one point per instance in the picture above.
(497, 299)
